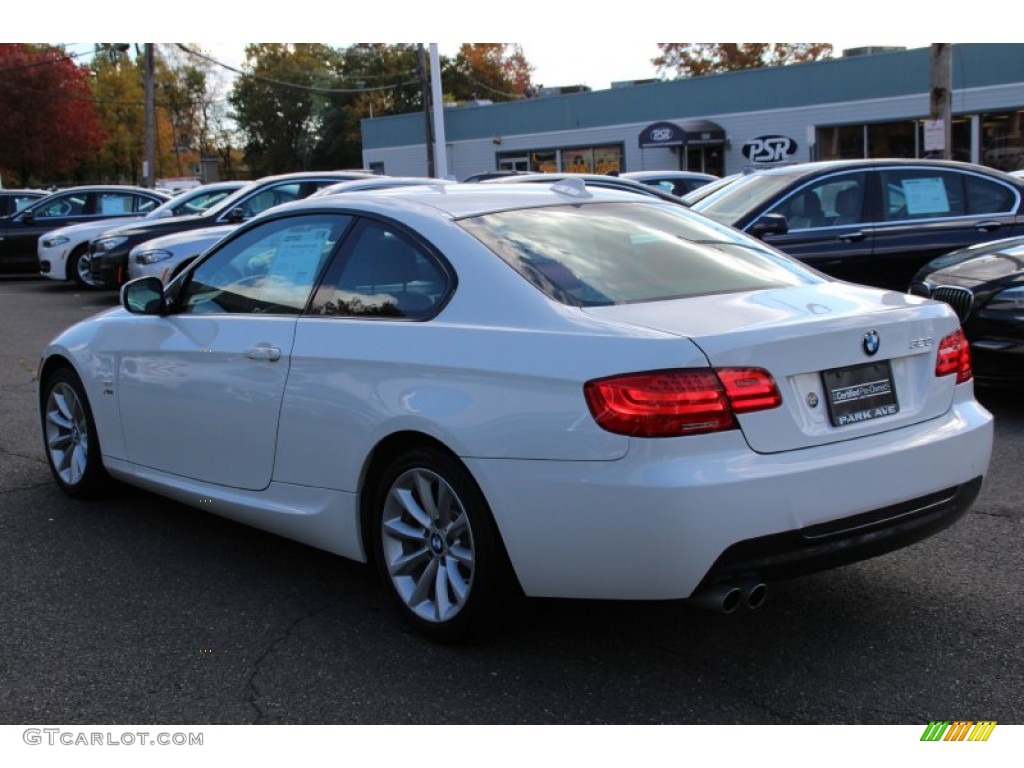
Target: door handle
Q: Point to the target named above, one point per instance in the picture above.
(987, 226)
(852, 237)
(263, 352)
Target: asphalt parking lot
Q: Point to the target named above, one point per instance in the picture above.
(136, 609)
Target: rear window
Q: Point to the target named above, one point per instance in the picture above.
(618, 253)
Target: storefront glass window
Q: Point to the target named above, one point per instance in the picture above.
(607, 159)
(578, 160)
(841, 142)
(1002, 140)
(891, 140)
(543, 162)
(603, 159)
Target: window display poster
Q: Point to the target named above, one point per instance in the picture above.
(114, 205)
(925, 196)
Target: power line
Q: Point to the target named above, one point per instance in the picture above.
(297, 86)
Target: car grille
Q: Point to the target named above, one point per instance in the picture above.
(960, 299)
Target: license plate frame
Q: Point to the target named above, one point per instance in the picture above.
(858, 393)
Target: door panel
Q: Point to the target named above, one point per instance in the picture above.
(200, 395)
(200, 390)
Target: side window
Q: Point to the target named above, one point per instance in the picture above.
(114, 204)
(922, 193)
(382, 273)
(829, 202)
(65, 205)
(272, 268)
(987, 196)
(20, 202)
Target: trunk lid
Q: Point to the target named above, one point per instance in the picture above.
(815, 342)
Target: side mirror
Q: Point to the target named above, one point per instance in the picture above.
(144, 296)
(28, 217)
(769, 224)
(236, 215)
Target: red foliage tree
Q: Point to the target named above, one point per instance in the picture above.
(47, 120)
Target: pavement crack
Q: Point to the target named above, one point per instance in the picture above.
(24, 487)
(277, 643)
(15, 454)
(1005, 513)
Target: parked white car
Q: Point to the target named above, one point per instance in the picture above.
(61, 251)
(165, 257)
(487, 388)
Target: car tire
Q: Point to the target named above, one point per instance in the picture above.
(69, 436)
(78, 268)
(437, 547)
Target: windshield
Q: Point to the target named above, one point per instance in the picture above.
(197, 202)
(617, 253)
(734, 201)
(229, 202)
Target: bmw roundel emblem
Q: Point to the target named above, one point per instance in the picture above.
(872, 341)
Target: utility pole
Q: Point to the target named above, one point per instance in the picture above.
(440, 147)
(149, 164)
(428, 129)
(941, 100)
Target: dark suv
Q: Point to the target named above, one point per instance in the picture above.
(872, 221)
(108, 253)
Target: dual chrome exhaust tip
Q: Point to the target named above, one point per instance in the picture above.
(727, 598)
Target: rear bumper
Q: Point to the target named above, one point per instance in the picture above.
(821, 547)
(673, 516)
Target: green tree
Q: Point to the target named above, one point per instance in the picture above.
(375, 80)
(120, 103)
(280, 103)
(696, 59)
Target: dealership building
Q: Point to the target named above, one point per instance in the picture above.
(875, 104)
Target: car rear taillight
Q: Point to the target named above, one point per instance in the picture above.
(954, 357)
(679, 402)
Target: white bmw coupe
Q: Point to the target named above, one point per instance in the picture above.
(498, 390)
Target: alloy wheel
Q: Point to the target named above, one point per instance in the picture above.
(427, 544)
(67, 434)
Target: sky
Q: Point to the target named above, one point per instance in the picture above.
(568, 42)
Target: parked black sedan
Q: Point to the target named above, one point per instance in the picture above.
(985, 285)
(872, 221)
(20, 231)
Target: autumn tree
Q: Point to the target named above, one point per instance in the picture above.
(696, 59)
(494, 71)
(48, 124)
